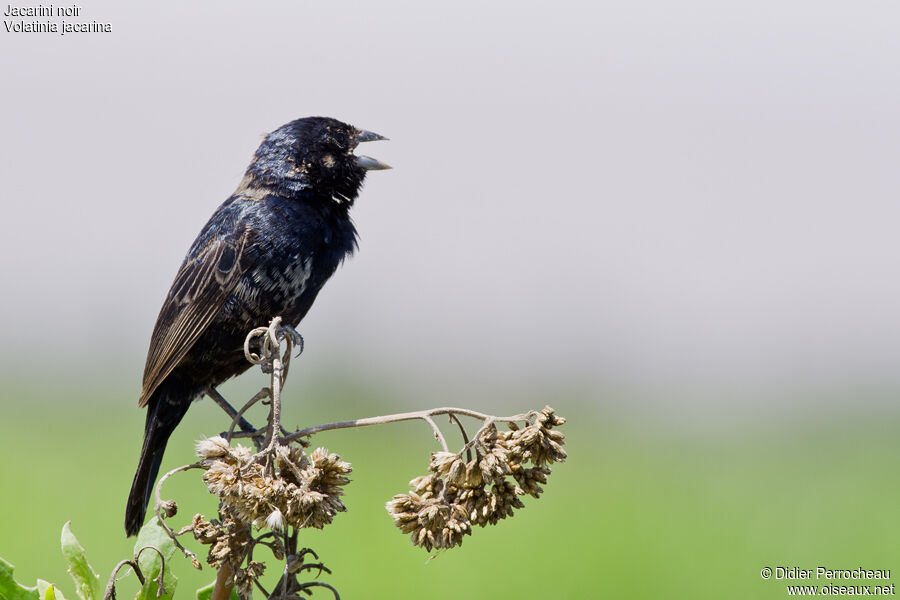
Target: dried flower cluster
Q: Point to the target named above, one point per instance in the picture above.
(227, 540)
(304, 491)
(276, 491)
(443, 505)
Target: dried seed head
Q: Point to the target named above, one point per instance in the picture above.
(305, 491)
(277, 549)
(537, 443)
(548, 418)
(495, 464)
(430, 523)
(429, 485)
(204, 531)
(530, 479)
(444, 504)
(457, 474)
(474, 477)
(275, 520)
(169, 508)
(214, 447)
(244, 578)
(404, 509)
(443, 462)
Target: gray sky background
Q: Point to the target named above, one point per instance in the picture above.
(656, 197)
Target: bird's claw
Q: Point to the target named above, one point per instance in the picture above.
(294, 336)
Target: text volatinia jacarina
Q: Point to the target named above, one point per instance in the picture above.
(265, 252)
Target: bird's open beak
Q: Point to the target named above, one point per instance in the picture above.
(367, 162)
(369, 136)
(370, 164)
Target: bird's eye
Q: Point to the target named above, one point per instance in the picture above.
(339, 141)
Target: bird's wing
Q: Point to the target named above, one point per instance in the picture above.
(201, 287)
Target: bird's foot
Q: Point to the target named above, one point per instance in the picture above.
(294, 336)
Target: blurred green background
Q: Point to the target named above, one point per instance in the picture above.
(641, 509)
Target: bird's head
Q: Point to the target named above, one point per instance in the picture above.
(315, 153)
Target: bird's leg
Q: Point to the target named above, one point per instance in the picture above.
(229, 409)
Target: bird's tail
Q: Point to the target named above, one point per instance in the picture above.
(163, 415)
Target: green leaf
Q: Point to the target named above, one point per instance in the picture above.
(10, 590)
(205, 593)
(153, 535)
(48, 591)
(87, 583)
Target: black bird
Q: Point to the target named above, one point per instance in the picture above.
(265, 252)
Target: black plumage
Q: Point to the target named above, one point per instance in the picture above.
(266, 251)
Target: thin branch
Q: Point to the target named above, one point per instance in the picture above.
(274, 428)
(110, 592)
(437, 433)
(407, 416)
(310, 566)
(261, 588)
(275, 409)
(238, 419)
(158, 510)
(274, 361)
(253, 357)
(487, 423)
(465, 437)
(305, 586)
(285, 577)
(229, 409)
(160, 584)
(306, 551)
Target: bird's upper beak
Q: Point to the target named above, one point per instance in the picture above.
(367, 162)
